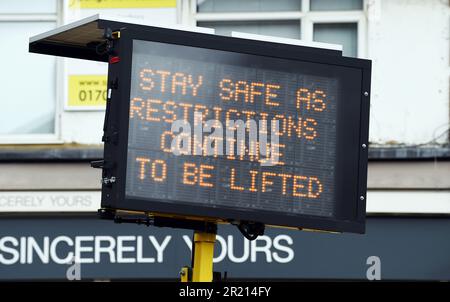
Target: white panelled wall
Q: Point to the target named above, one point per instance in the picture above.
(378, 202)
(408, 43)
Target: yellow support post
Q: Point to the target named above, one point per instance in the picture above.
(203, 248)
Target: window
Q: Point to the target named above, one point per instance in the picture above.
(331, 21)
(338, 33)
(28, 81)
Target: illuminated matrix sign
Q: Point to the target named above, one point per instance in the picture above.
(304, 166)
(171, 83)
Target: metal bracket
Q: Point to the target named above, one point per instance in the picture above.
(202, 243)
(108, 180)
(107, 46)
(101, 164)
(251, 230)
(158, 221)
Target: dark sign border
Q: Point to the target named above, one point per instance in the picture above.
(350, 145)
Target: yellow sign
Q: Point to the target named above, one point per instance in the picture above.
(121, 3)
(87, 90)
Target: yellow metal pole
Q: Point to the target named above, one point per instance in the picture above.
(202, 270)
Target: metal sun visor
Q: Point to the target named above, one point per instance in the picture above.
(75, 40)
(81, 39)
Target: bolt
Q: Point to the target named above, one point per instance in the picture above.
(366, 93)
(361, 198)
(364, 146)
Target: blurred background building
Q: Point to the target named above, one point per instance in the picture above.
(51, 122)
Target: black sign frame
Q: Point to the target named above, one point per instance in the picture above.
(351, 150)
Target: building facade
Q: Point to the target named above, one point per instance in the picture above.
(51, 128)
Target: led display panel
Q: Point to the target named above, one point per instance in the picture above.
(219, 133)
